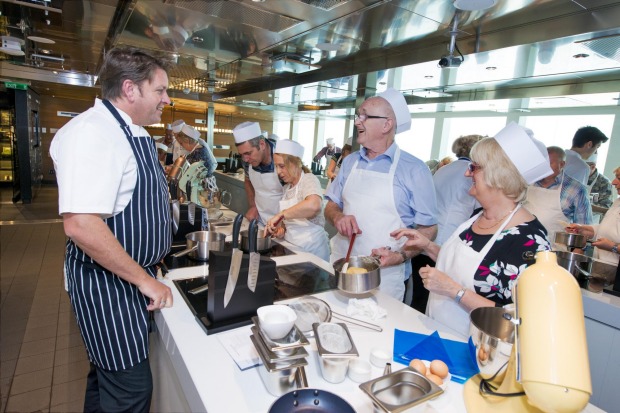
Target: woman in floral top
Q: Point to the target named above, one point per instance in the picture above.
(480, 263)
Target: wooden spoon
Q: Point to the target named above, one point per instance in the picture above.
(345, 267)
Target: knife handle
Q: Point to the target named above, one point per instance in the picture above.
(236, 229)
(252, 236)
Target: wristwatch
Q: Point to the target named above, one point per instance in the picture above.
(459, 295)
(615, 249)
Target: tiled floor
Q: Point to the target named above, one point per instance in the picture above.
(43, 363)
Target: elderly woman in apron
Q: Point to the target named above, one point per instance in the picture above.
(481, 261)
(300, 220)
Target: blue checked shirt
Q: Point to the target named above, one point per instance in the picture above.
(573, 199)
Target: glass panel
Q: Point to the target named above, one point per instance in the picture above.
(305, 136)
(418, 140)
(455, 127)
(559, 130)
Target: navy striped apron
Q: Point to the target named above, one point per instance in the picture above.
(111, 312)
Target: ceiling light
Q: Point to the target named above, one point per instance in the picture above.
(55, 72)
(45, 51)
(471, 5)
(491, 68)
(581, 55)
(428, 77)
(197, 39)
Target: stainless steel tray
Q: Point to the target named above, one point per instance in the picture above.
(272, 367)
(334, 329)
(400, 390)
(277, 356)
(294, 339)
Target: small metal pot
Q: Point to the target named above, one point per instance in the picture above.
(358, 283)
(571, 240)
(199, 243)
(262, 244)
(574, 263)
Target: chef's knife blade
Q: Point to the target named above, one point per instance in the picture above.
(254, 255)
(235, 261)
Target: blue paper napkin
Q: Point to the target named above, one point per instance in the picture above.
(459, 356)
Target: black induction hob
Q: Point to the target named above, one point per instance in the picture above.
(289, 281)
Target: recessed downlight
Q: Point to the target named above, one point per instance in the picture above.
(491, 68)
(581, 55)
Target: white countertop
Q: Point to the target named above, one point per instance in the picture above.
(212, 381)
(221, 387)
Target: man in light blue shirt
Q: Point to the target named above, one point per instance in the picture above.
(585, 143)
(380, 189)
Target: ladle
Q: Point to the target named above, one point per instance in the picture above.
(345, 267)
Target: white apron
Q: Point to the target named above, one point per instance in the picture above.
(369, 197)
(460, 262)
(545, 204)
(610, 229)
(267, 194)
(303, 233)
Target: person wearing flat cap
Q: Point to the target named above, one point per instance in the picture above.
(300, 217)
(380, 189)
(479, 264)
(599, 186)
(262, 185)
(329, 150)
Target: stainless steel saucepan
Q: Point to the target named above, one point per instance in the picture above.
(263, 244)
(199, 243)
(355, 282)
(571, 240)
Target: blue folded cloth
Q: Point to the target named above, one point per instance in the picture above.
(460, 357)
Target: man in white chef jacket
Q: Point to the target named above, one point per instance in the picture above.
(379, 189)
(262, 185)
(585, 142)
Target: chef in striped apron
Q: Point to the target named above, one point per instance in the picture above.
(114, 202)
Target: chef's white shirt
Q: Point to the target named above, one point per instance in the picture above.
(96, 169)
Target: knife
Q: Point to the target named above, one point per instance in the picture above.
(235, 261)
(254, 255)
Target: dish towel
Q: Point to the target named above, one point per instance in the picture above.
(460, 357)
(365, 307)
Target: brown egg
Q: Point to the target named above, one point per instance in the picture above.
(418, 365)
(439, 368)
(482, 355)
(435, 379)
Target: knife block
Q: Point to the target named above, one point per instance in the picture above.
(244, 303)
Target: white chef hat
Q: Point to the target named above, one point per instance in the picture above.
(246, 131)
(329, 141)
(349, 141)
(190, 131)
(528, 154)
(399, 106)
(289, 147)
(168, 126)
(161, 146)
(274, 137)
(177, 125)
(593, 158)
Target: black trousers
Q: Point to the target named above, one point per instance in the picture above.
(128, 390)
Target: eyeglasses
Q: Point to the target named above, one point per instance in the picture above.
(362, 118)
(473, 167)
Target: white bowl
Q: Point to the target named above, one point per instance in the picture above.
(380, 356)
(276, 321)
(359, 370)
